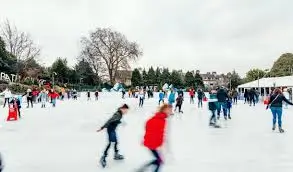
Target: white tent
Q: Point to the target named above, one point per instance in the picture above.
(268, 83)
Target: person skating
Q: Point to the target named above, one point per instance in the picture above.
(123, 94)
(276, 106)
(16, 102)
(97, 95)
(161, 97)
(155, 136)
(191, 94)
(29, 97)
(171, 98)
(222, 97)
(179, 102)
(235, 97)
(246, 97)
(111, 126)
(74, 94)
(53, 95)
(88, 96)
(7, 95)
(252, 96)
(43, 96)
(213, 106)
(200, 96)
(229, 107)
(141, 97)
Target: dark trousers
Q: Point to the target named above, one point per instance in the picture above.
(252, 100)
(246, 99)
(6, 100)
(141, 101)
(179, 106)
(213, 119)
(235, 100)
(156, 162)
(191, 100)
(112, 139)
(29, 100)
(161, 100)
(199, 102)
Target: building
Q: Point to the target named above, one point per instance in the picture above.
(265, 85)
(212, 79)
(124, 76)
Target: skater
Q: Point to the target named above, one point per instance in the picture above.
(235, 97)
(141, 97)
(222, 97)
(1, 163)
(246, 97)
(213, 106)
(29, 97)
(123, 94)
(229, 106)
(180, 92)
(252, 96)
(200, 96)
(171, 98)
(16, 101)
(179, 102)
(191, 94)
(154, 136)
(97, 95)
(88, 96)
(161, 97)
(111, 126)
(275, 104)
(43, 96)
(74, 94)
(7, 95)
(53, 95)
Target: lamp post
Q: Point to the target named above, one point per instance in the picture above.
(53, 78)
(230, 80)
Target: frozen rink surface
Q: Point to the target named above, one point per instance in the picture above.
(63, 139)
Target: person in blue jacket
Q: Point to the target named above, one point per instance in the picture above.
(161, 97)
(171, 98)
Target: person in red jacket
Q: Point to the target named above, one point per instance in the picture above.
(53, 95)
(155, 135)
(191, 94)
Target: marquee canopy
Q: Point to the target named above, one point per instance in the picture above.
(285, 81)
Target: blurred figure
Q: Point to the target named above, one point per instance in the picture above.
(200, 96)
(252, 96)
(235, 96)
(171, 98)
(1, 163)
(191, 94)
(123, 94)
(222, 97)
(161, 97)
(179, 102)
(29, 97)
(88, 96)
(213, 106)
(141, 97)
(111, 126)
(7, 95)
(97, 95)
(246, 97)
(43, 96)
(287, 96)
(154, 136)
(16, 102)
(53, 95)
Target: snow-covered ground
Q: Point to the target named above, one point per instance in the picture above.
(63, 139)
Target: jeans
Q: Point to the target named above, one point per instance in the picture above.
(161, 100)
(156, 163)
(277, 115)
(213, 119)
(6, 100)
(29, 100)
(179, 106)
(235, 100)
(54, 102)
(199, 102)
(222, 105)
(141, 101)
(112, 139)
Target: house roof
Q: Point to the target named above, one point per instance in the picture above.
(285, 81)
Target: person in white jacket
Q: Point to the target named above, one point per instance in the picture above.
(7, 95)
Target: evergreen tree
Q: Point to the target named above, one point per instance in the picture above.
(61, 69)
(7, 62)
(151, 76)
(83, 70)
(189, 79)
(144, 77)
(136, 79)
(176, 79)
(165, 77)
(283, 66)
(198, 81)
(235, 80)
(158, 77)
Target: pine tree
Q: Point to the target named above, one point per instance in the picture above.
(189, 79)
(136, 79)
(151, 76)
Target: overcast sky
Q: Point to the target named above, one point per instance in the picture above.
(209, 35)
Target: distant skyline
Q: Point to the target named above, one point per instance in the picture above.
(208, 35)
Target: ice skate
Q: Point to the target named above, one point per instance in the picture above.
(274, 127)
(281, 130)
(118, 157)
(103, 161)
(229, 117)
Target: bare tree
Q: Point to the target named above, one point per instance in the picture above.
(18, 43)
(110, 51)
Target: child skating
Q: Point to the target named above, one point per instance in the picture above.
(53, 95)
(111, 126)
(155, 136)
(43, 96)
(161, 97)
(213, 106)
(179, 102)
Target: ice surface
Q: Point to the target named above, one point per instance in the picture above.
(63, 139)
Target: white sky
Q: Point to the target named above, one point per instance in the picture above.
(209, 35)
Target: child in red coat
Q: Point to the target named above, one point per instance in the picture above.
(53, 95)
(154, 135)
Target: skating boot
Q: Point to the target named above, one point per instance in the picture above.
(229, 116)
(212, 124)
(103, 161)
(217, 126)
(225, 118)
(118, 157)
(274, 127)
(281, 130)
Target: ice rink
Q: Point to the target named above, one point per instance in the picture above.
(64, 139)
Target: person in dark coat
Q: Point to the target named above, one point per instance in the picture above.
(246, 99)
(222, 97)
(200, 96)
(179, 102)
(111, 126)
(252, 95)
(276, 106)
